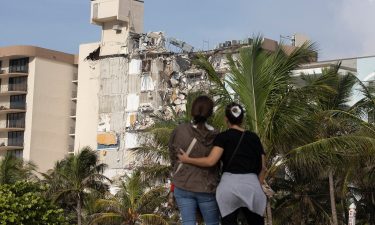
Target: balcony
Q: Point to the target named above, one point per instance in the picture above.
(71, 149)
(75, 78)
(72, 131)
(14, 74)
(14, 108)
(14, 122)
(4, 147)
(19, 87)
(11, 129)
(19, 69)
(13, 143)
(9, 93)
(74, 96)
(4, 110)
(73, 113)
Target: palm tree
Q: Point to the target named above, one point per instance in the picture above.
(13, 169)
(362, 174)
(262, 83)
(134, 203)
(362, 191)
(154, 154)
(332, 119)
(280, 111)
(301, 198)
(75, 177)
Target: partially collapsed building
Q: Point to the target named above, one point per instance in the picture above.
(129, 77)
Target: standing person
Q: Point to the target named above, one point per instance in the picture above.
(243, 159)
(195, 186)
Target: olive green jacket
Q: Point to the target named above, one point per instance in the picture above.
(190, 177)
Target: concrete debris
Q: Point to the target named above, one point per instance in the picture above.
(131, 120)
(104, 123)
(219, 63)
(146, 107)
(151, 42)
(183, 62)
(185, 47)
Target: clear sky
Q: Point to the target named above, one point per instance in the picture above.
(341, 28)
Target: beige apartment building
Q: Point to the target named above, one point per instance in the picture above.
(36, 104)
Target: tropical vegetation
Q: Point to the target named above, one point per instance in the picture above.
(320, 151)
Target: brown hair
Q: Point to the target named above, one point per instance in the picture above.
(202, 109)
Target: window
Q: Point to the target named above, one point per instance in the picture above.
(18, 101)
(1, 71)
(16, 153)
(19, 65)
(16, 120)
(15, 138)
(17, 84)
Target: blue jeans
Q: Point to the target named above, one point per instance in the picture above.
(188, 202)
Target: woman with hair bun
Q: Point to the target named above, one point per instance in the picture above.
(243, 159)
(194, 186)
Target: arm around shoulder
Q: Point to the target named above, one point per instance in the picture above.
(208, 161)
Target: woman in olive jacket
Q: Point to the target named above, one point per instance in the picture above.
(195, 186)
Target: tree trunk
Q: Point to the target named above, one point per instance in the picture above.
(332, 197)
(268, 213)
(79, 211)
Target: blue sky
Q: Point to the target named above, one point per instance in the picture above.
(341, 28)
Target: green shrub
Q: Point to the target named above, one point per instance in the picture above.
(24, 203)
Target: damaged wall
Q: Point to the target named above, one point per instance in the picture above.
(134, 88)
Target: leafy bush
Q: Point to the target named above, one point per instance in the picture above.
(24, 203)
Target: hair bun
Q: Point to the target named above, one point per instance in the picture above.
(236, 111)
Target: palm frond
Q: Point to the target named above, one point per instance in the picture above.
(110, 218)
(318, 155)
(152, 219)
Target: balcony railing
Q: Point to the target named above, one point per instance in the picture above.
(15, 142)
(75, 76)
(22, 69)
(16, 106)
(17, 87)
(74, 94)
(16, 124)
